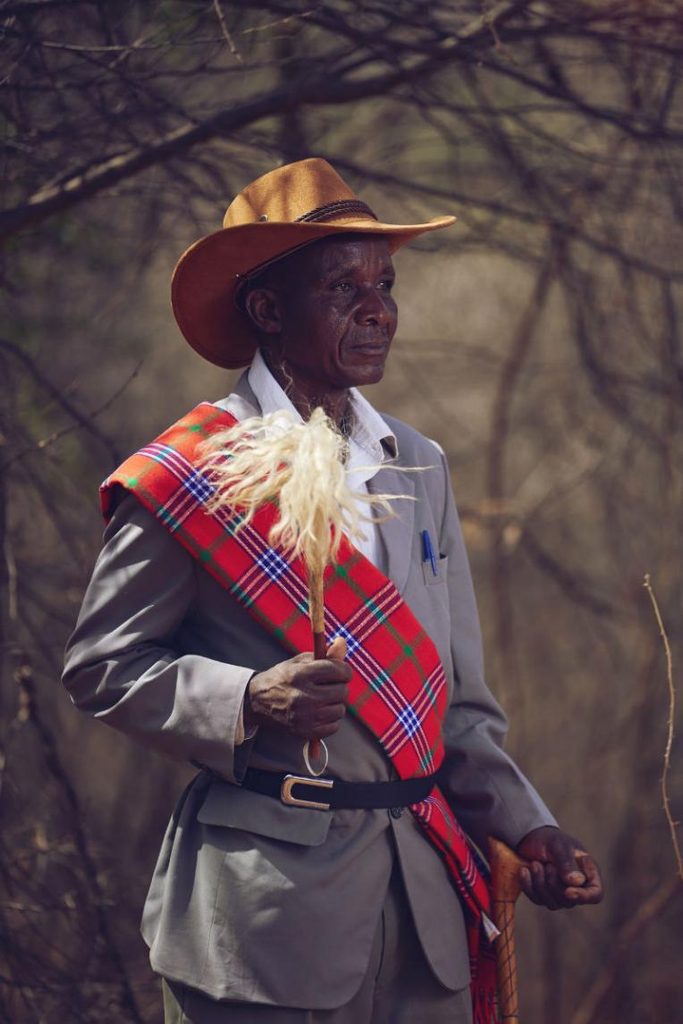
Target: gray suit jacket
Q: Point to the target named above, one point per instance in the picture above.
(252, 899)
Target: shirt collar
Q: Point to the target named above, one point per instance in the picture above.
(368, 431)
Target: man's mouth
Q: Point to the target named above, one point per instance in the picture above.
(379, 346)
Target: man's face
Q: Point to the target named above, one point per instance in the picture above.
(336, 313)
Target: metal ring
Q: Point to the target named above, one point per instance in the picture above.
(315, 772)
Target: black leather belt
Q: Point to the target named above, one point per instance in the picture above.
(335, 794)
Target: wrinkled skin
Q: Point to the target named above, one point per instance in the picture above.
(302, 696)
(560, 873)
(326, 318)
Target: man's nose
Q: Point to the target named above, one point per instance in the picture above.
(374, 308)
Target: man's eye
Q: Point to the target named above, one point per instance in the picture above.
(387, 284)
(341, 286)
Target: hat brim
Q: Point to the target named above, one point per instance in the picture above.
(207, 275)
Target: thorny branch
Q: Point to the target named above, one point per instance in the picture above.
(666, 799)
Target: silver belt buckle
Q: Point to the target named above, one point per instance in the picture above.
(288, 797)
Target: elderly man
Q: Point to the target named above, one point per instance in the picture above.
(278, 896)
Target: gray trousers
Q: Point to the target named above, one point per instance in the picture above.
(398, 987)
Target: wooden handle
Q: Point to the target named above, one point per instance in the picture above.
(319, 651)
(339, 649)
(505, 883)
(319, 647)
(317, 615)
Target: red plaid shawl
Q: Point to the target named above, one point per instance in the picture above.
(398, 688)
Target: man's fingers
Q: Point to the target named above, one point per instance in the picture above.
(305, 697)
(591, 891)
(542, 884)
(572, 876)
(526, 881)
(532, 879)
(331, 713)
(322, 721)
(586, 894)
(588, 866)
(314, 719)
(300, 659)
(322, 671)
(558, 871)
(570, 867)
(328, 693)
(321, 732)
(337, 649)
(565, 854)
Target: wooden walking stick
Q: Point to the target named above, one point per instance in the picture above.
(506, 887)
(299, 467)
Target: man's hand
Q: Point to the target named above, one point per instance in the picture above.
(560, 872)
(302, 696)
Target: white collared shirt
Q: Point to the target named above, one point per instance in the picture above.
(367, 451)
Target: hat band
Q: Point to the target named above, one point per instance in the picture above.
(339, 207)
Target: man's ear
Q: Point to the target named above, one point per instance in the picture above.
(263, 309)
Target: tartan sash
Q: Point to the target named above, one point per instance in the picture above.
(398, 688)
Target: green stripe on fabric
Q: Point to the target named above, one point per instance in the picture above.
(186, 538)
(357, 706)
(375, 685)
(430, 692)
(427, 762)
(240, 593)
(301, 611)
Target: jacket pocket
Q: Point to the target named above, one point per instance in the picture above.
(233, 807)
(430, 577)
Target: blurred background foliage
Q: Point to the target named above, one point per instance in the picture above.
(539, 343)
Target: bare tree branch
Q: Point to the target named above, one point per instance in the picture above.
(666, 799)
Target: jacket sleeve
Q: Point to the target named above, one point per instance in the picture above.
(122, 662)
(488, 791)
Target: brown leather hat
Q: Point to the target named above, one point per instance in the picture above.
(278, 213)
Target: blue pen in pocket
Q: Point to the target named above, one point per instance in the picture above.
(428, 551)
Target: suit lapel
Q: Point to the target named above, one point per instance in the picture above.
(396, 533)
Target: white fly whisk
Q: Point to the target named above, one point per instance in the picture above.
(300, 466)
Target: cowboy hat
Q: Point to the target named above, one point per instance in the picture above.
(278, 213)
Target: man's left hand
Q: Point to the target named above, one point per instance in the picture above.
(559, 873)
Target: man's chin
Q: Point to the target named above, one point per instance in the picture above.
(370, 375)
(365, 371)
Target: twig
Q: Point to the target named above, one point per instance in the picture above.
(279, 22)
(27, 690)
(520, 346)
(670, 726)
(491, 22)
(317, 89)
(226, 33)
(11, 570)
(58, 397)
(57, 435)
